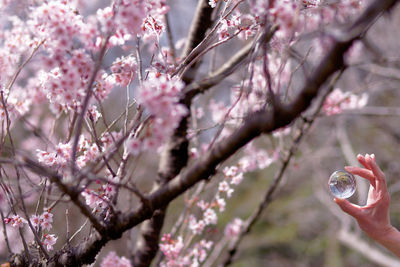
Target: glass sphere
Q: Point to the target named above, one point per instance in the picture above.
(342, 184)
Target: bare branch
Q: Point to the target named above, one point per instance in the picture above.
(71, 192)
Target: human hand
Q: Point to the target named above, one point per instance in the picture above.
(373, 218)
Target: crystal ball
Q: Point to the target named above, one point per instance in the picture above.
(342, 184)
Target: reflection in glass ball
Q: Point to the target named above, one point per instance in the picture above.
(342, 184)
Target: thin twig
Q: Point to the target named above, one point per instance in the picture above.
(15, 76)
(85, 103)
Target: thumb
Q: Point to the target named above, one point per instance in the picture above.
(347, 207)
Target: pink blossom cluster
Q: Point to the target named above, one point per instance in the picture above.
(233, 176)
(66, 67)
(59, 24)
(212, 3)
(142, 17)
(284, 14)
(16, 40)
(337, 101)
(49, 240)
(347, 9)
(58, 158)
(87, 151)
(252, 159)
(154, 25)
(123, 70)
(16, 43)
(100, 198)
(175, 256)
(319, 13)
(131, 18)
(171, 248)
(17, 103)
(4, 3)
(296, 17)
(16, 221)
(159, 94)
(249, 25)
(280, 12)
(233, 228)
(233, 23)
(103, 86)
(113, 260)
(156, 9)
(244, 24)
(43, 221)
(255, 158)
(178, 255)
(209, 217)
(251, 95)
(64, 85)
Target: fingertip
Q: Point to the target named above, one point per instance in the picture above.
(368, 159)
(361, 159)
(349, 169)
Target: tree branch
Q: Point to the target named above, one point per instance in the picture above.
(175, 154)
(70, 191)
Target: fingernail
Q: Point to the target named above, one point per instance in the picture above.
(373, 156)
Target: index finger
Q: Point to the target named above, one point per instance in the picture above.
(380, 179)
(364, 173)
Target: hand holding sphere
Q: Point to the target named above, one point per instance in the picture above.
(373, 218)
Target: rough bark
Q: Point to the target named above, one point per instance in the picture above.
(175, 155)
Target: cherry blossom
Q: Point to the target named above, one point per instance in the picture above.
(337, 101)
(123, 70)
(49, 241)
(159, 94)
(212, 3)
(233, 228)
(171, 248)
(35, 220)
(112, 260)
(173, 252)
(224, 187)
(16, 221)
